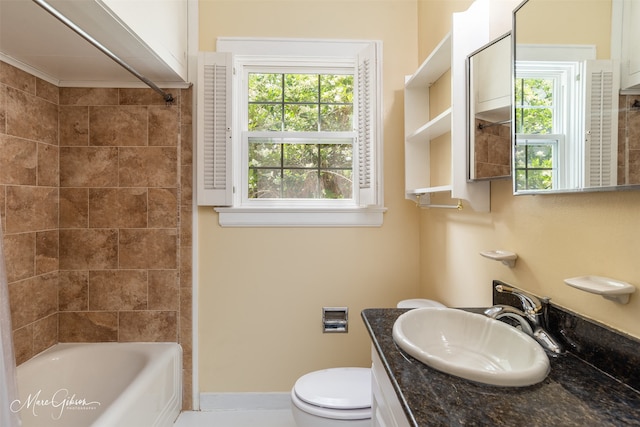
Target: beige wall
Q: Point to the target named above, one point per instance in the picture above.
(593, 27)
(262, 290)
(555, 237)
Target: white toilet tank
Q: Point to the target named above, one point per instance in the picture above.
(418, 303)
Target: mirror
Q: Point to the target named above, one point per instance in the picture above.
(573, 130)
(489, 111)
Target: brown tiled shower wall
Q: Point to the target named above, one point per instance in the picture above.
(629, 140)
(492, 145)
(96, 204)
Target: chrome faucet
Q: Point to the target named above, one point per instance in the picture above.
(532, 318)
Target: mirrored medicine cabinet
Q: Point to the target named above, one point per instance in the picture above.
(576, 113)
(489, 111)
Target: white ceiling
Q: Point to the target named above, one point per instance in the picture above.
(34, 40)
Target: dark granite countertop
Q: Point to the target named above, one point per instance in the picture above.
(574, 394)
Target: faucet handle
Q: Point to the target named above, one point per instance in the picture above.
(530, 303)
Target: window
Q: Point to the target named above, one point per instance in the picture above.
(293, 136)
(565, 121)
(300, 136)
(537, 119)
(547, 107)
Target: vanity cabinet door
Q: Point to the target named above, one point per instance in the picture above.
(385, 406)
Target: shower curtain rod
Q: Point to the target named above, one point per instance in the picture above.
(66, 21)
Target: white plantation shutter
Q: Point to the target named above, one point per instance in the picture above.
(368, 122)
(214, 186)
(601, 124)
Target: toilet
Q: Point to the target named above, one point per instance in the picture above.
(339, 396)
(332, 397)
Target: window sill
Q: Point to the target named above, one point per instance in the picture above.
(300, 217)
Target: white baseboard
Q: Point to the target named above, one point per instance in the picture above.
(244, 401)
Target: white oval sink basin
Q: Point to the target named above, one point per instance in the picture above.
(471, 346)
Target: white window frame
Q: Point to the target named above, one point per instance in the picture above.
(568, 113)
(233, 207)
(592, 100)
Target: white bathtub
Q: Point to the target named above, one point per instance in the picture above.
(101, 385)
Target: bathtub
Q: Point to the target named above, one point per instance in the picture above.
(101, 385)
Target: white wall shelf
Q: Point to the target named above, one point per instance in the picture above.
(420, 128)
(436, 64)
(433, 128)
(470, 30)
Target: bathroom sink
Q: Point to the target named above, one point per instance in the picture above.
(471, 346)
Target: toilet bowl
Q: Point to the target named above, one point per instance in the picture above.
(332, 397)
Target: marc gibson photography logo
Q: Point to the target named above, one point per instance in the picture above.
(59, 402)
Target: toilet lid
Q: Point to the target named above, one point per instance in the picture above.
(336, 388)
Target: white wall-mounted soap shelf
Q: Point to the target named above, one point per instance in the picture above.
(506, 257)
(611, 289)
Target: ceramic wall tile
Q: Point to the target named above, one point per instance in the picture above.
(164, 125)
(88, 167)
(19, 253)
(163, 208)
(48, 165)
(17, 79)
(88, 96)
(74, 207)
(23, 343)
(139, 96)
(74, 125)
(148, 167)
(148, 248)
(46, 254)
(19, 161)
(118, 207)
(88, 249)
(153, 326)
(164, 293)
(88, 326)
(118, 290)
(45, 333)
(186, 146)
(43, 123)
(47, 91)
(3, 109)
(31, 208)
(118, 126)
(73, 290)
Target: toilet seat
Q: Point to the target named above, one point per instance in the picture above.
(337, 393)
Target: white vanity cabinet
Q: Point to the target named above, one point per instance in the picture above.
(385, 406)
(630, 62)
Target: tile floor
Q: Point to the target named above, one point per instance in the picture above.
(236, 418)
